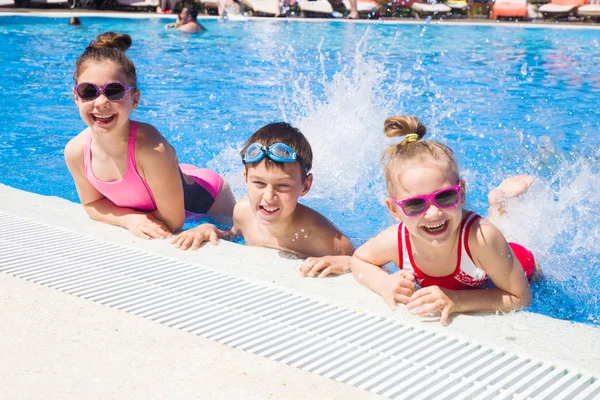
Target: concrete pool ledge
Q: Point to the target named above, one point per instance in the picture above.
(42, 316)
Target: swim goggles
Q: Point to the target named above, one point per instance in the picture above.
(113, 91)
(415, 206)
(277, 152)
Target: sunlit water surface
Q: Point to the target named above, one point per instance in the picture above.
(507, 100)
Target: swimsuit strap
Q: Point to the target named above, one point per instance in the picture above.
(132, 163)
(87, 153)
(400, 247)
(131, 147)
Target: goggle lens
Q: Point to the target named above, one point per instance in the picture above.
(278, 150)
(254, 151)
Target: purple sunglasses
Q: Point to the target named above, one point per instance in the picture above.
(444, 198)
(113, 91)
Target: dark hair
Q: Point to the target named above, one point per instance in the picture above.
(109, 46)
(413, 148)
(281, 132)
(193, 13)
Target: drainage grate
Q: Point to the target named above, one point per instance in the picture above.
(372, 353)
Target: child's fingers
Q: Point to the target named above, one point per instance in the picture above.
(307, 265)
(406, 291)
(151, 232)
(419, 298)
(214, 238)
(196, 243)
(391, 303)
(186, 242)
(445, 316)
(317, 267)
(428, 308)
(326, 272)
(407, 275)
(142, 235)
(160, 229)
(401, 298)
(176, 241)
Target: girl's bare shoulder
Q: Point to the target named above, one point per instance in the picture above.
(150, 140)
(74, 148)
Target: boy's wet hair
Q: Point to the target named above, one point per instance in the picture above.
(412, 148)
(109, 46)
(281, 132)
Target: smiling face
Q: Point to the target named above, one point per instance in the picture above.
(274, 189)
(101, 115)
(436, 226)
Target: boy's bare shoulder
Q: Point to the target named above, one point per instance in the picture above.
(313, 219)
(241, 212)
(324, 238)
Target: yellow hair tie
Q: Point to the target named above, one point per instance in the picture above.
(412, 137)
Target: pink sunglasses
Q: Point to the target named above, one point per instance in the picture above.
(444, 198)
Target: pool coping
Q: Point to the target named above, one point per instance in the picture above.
(54, 13)
(574, 345)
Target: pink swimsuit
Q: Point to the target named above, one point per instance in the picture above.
(466, 275)
(132, 191)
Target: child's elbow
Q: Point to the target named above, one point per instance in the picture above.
(523, 301)
(176, 225)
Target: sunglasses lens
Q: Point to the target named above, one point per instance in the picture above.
(114, 91)
(87, 91)
(447, 198)
(414, 207)
(282, 151)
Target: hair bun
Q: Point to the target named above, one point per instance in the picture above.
(402, 126)
(112, 40)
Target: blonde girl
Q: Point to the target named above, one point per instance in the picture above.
(451, 260)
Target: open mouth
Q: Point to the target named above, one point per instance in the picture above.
(103, 118)
(267, 210)
(437, 229)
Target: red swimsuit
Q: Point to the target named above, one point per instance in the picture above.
(466, 275)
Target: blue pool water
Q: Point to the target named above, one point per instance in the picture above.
(508, 100)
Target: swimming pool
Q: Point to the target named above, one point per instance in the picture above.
(508, 100)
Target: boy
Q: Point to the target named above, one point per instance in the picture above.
(277, 160)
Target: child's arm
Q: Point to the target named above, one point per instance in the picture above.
(366, 266)
(99, 208)
(193, 238)
(157, 163)
(329, 249)
(491, 253)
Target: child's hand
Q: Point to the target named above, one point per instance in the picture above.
(147, 226)
(326, 265)
(193, 238)
(431, 299)
(399, 287)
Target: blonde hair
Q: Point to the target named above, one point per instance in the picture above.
(412, 148)
(108, 46)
